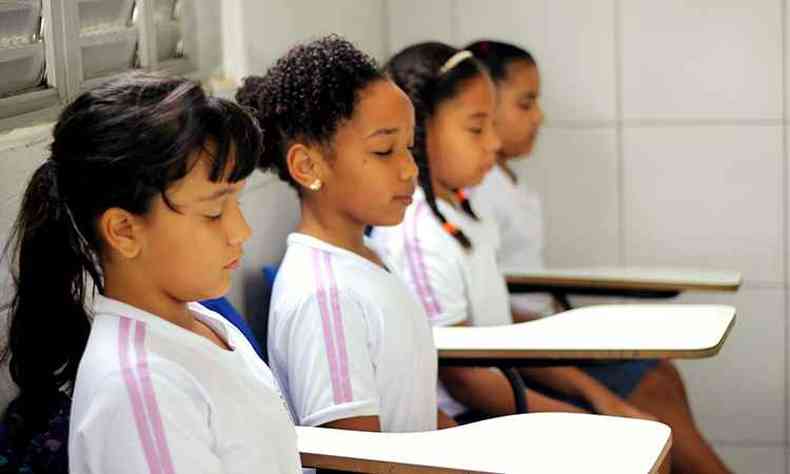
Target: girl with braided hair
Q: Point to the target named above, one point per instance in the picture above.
(447, 248)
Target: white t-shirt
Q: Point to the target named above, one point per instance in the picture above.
(453, 284)
(518, 213)
(152, 397)
(347, 339)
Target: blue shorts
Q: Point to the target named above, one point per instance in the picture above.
(621, 378)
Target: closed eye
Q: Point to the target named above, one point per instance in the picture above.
(383, 153)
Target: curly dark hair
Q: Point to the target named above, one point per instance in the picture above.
(417, 70)
(306, 96)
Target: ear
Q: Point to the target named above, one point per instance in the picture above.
(121, 233)
(305, 164)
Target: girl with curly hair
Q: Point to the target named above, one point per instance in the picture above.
(349, 344)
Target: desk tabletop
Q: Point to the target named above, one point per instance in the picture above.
(535, 442)
(628, 278)
(597, 332)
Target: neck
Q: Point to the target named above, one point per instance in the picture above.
(333, 227)
(137, 292)
(502, 163)
(443, 192)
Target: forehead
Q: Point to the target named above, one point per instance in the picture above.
(475, 96)
(523, 76)
(196, 184)
(382, 104)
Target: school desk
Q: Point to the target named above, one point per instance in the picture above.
(535, 442)
(608, 332)
(631, 282)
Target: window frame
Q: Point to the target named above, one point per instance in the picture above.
(63, 56)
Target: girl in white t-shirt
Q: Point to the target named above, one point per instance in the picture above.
(445, 250)
(349, 344)
(139, 194)
(652, 386)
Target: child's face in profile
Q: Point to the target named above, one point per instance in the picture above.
(518, 114)
(372, 175)
(191, 252)
(462, 143)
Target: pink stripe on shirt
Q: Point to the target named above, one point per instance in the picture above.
(149, 397)
(417, 265)
(331, 352)
(340, 334)
(133, 388)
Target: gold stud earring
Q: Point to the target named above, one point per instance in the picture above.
(315, 185)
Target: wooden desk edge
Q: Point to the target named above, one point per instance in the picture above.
(529, 354)
(662, 457)
(614, 284)
(352, 464)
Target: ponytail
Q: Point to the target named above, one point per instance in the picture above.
(121, 144)
(49, 325)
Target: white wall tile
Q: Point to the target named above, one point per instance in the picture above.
(579, 190)
(738, 396)
(521, 22)
(415, 21)
(578, 64)
(705, 196)
(272, 27)
(753, 459)
(703, 59)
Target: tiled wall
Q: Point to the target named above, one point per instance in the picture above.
(665, 144)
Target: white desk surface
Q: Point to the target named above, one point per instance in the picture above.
(536, 442)
(633, 278)
(598, 332)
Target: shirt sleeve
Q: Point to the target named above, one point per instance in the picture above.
(435, 274)
(328, 359)
(144, 424)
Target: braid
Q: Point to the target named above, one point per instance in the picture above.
(466, 205)
(425, 183)
(429, 77)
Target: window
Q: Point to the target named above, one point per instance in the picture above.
(51, 50)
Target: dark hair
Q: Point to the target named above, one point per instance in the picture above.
(307, 95)
(497, 56)
(118, 145)
(418, 70)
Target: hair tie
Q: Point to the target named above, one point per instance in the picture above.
(461, 195)
(450, 227)
(454, 60)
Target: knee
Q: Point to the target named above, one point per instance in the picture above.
(660, 383)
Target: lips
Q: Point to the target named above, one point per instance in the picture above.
(233, 264)
(404, 198)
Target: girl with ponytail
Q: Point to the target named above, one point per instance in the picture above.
(449, 249)
(134, 216)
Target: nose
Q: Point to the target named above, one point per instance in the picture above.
(238, 230)
(409, 171)
(539, 116)
(493, 142)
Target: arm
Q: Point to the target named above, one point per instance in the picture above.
(357, 423)
(116, 436)
(330, 373)
(443, 421)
